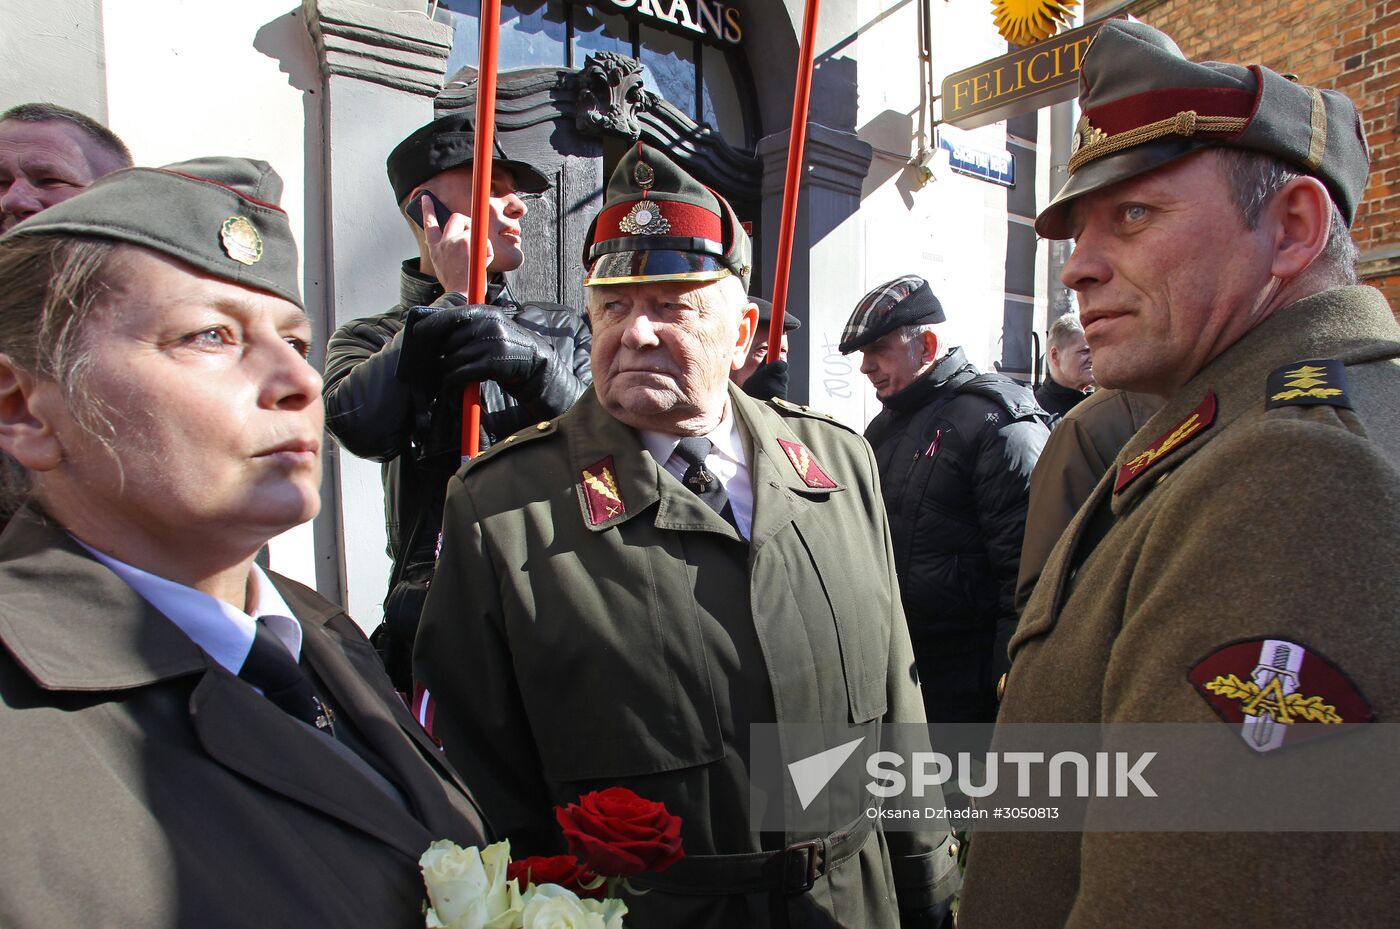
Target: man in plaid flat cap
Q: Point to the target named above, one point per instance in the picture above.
(958, 512)
(626, 590)
(1234, 567)
(394, 381)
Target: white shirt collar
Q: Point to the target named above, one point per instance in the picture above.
(726, 461)
(725, 437)
(223, 631)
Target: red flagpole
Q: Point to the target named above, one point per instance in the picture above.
(485, 124)
(797, 141)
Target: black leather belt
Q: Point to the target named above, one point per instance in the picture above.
(794, 870)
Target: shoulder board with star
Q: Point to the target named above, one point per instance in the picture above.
(1319, 382)
(515, 440)
(792, 409)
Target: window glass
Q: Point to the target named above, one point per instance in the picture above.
(533, 35)
(595, 31)
(722, 109)
(668, 68)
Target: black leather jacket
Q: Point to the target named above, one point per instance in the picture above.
(955, 451)
(417, 434)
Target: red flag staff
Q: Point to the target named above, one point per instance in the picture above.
(797, 141)
(481, 200)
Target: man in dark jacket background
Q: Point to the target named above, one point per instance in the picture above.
(955, 450)
(393, 382)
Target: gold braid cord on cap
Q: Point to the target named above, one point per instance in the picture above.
(1092, 143)
(1024, 22)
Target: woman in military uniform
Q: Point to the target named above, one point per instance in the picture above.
(185, 739)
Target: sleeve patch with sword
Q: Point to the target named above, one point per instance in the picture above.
(1278, 692)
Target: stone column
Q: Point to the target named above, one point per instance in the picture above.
(381, 67)
(827, 256)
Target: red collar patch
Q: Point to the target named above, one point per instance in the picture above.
(1201, 417)
(807, 468)
(600, 491)
(1278, 692)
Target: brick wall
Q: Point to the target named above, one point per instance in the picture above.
(1349, 45)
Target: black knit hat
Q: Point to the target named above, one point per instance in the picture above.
(1145, 105)
(219, 214)
(904, 301)
(445, 143)
(660, 224)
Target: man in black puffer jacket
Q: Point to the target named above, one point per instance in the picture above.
(955, 450)
(393, 382)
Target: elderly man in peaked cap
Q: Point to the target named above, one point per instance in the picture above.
(625, 590)
(394, 381)
(185, 738)
(1251, 528)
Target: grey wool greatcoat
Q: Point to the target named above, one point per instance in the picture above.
(1265, 524)
(146, 786)
(577, 638)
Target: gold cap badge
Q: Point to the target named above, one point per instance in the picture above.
(241, 240)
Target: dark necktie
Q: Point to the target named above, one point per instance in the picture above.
(271, 668)
(693, 450)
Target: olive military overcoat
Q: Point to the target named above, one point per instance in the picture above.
(1080, 449)
(146, 786)
(593, 623)
(1245, 523)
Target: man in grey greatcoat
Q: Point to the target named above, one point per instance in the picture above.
(626, 590)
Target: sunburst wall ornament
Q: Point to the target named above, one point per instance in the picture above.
(1022, 22)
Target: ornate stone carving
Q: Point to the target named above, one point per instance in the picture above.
(611, 96)
(364, 41)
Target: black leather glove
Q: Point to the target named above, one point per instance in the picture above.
(768, 381)
(452, 346)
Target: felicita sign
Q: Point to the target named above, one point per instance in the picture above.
(709, 19)
(1025, 80)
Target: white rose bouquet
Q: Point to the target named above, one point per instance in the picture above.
(470, 889)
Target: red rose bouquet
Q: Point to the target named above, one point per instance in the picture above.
(618, 834)
(613, 835)
(564, 870)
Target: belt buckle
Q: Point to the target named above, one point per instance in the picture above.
(799, 880)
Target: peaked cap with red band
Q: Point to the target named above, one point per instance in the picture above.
(1146, 105)
(219, 215)
(660, 224)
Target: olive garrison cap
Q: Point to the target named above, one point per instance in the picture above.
(660, 224)
(904, 301)
(217, 214)
(445, 143)
(1146, 105)
(765, 316)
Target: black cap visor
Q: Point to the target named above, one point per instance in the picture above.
(654, 264)
(790, 322)
(1053, 221)
(527, 179)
